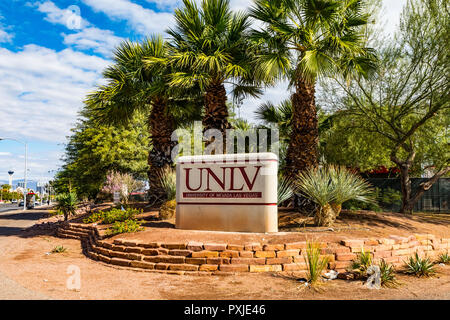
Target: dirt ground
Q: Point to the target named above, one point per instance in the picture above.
(24, 258)
(296, 227)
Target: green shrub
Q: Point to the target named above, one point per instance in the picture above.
(113, 215)
(388, 278)
(444, 258)
(362, 262)
(315, 262)
(386, 198)
(168, 210)
(120, 215)
(59, 249)
(127, 226)
(94, 217)
(420, 267)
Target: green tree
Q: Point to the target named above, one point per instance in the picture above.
(404, 109)
(93, 150)
(306, 40)
(209, 47)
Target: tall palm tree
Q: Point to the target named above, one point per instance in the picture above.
(305, 40)
(209, 47)
(134, 86)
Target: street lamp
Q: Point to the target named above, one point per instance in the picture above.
(25, 174)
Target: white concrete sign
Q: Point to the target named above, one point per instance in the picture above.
(232, 192)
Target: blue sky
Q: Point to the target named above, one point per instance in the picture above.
(52, 54)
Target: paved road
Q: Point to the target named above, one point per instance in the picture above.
(7, 207)
(12, 221)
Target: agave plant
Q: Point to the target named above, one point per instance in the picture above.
(420, 267)
(329, 187)
(387, 274)
(362, 262)
(67, 204)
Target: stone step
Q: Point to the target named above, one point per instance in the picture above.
(73, 233)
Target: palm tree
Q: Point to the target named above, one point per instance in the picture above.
(305, 40)
(134, 86)
(209, 47)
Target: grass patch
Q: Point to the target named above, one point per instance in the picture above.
(315, 262)
(59, 249)
(444, 258)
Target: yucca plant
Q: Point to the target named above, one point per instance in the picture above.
(285, 189)
(67, 204)
(169, 183)
(421, 267)
(444, 258)
(362, 262)
(348, 186)
(329, 187)
(315, 262)
(387, 273)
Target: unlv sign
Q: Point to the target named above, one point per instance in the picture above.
(236, 192)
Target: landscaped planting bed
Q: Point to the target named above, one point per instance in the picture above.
(224, 257)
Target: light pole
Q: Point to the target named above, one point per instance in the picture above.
(25, 174)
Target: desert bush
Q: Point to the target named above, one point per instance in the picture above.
(123, 183)
(444, 258)
(329, 187)
(168, 209)
(388, 278)
(420, 267)
(127, 226)
(315, 262)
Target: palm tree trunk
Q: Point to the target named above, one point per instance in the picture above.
(216, 111)
(302, 151)
(161, 125)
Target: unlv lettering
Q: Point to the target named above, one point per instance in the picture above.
(221, 181)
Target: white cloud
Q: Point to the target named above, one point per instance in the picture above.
(142, 20)
(5, 37)
(87, 36)
(38, 165)
(101, 41)
(5, 154)
(42, 90)
(70, 17)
